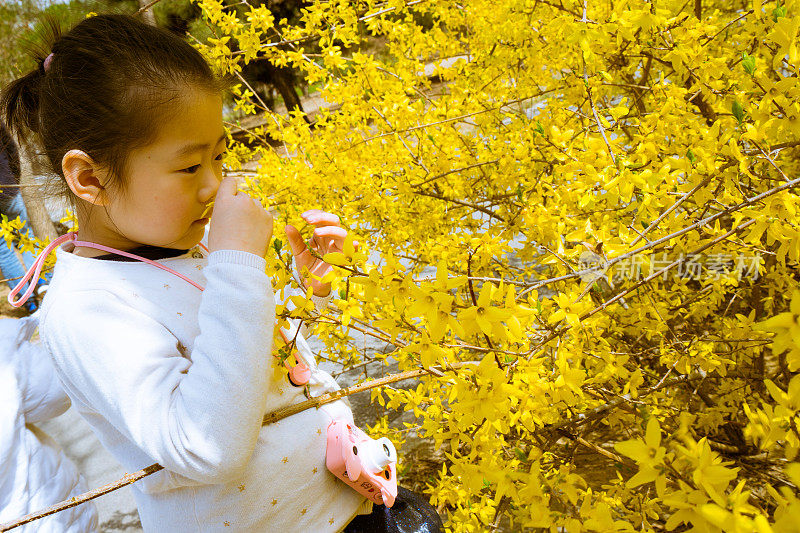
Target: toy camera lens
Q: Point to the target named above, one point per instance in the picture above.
(355, 450)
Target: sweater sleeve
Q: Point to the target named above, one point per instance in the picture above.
(198, 417)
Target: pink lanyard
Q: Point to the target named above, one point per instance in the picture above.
(299, 373)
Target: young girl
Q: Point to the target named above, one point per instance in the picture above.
(174, 366)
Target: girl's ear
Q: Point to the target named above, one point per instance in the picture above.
(84, 177)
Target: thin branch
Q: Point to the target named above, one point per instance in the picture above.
(445, 121)
(461, 202)
(709, 219)
(127, 479)
(771, 161)
(728, 25)
(596, 117)
(672, 208)
(453, 171)
(145, 8)
(649, 278)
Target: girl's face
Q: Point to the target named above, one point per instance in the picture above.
(170, 182)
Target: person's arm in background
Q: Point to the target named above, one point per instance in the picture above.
(43, 397)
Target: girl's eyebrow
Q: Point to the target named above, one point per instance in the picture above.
(191, 148)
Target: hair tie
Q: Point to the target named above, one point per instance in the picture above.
(47, 61)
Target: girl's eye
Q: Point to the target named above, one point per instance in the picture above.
(191, 170)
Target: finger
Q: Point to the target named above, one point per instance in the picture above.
(316, 243)
(227, 187)
(326, 233)
(296, 242)
(320, 218)
(322, 244)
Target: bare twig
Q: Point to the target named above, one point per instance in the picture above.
(649, 278)
(672, 208)
(127, 479)
(146, 7)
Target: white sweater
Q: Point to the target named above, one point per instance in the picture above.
(165, 373)
(34, 471)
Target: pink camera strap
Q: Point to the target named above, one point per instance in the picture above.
(299, 374)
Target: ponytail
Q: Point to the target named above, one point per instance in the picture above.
(19, 102)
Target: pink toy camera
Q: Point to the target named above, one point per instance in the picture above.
(367, 465)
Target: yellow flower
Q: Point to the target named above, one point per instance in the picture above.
(649, 454)
(486, 316)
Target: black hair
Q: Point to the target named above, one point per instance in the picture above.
(106, 90)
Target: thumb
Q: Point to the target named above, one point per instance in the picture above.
(227, 187)
(295, 240)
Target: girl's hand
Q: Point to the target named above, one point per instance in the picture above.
(239, 222)
(328, 237)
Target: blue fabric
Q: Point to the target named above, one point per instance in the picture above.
(9, 262)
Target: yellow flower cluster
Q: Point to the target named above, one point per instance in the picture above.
(477, 151)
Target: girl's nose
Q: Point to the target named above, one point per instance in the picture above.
(210, 185)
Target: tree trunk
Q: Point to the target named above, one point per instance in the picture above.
(281, 79)
(147, 14)
(38, 217)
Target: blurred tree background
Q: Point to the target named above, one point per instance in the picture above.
(18, 28)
